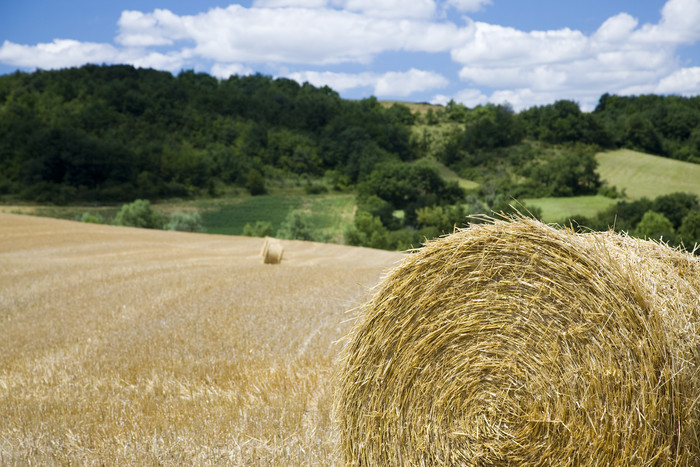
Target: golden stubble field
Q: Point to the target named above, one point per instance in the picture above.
(122, 346)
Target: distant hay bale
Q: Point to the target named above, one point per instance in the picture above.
(272, 251)
(515, 343)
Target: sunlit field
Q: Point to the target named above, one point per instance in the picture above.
(122, 346)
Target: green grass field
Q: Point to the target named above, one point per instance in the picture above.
(558, 209)
(644, 175)
(449, 174)
(329, 213)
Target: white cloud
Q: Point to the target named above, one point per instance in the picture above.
(390, 8)
(224, 71)
(685, 81)
(679, 24)
(338, 81)
(468, 5)
(523, 67)
(468, 97)
(60, 53)
(405, 83)
(393, 83)
(290, 3)
(290, 35)
(615, 29)
(488, 43)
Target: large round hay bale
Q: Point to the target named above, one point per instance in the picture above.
(515, 343)
(272, 251)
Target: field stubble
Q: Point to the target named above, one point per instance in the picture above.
(127, 346)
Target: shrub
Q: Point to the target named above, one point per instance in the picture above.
(184, 222)
(297, 226)
(141, 214)
(655, 226)
(91, 218)
(258, 229)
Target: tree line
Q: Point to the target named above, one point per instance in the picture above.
(117, 133)
(114, 133)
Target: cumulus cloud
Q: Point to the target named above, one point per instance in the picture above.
(468, 97)
(60, 53)
(225, 70)
(290, 3)
(529, 67)
(406, 83)
(468, 5)
(685, 81)
(523, 67)
(383, 84)
(290, 35)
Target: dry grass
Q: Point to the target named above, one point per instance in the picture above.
(121, 346)
(513, 343)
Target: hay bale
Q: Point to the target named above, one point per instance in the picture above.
(514, 343)
(272, 251)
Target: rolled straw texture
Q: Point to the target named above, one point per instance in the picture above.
(515, 343)
(272, 251)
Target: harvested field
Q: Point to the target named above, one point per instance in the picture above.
(122, 346)
(513, 343)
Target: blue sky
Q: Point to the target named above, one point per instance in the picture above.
(472, 51)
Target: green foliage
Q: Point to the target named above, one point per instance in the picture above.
(139, 213)
(297, 226)
(367, 230)
(185, 222)
(689, 231)
(571, 172)
(91, 218)
(259, 229)
(676, 206)
(434, 221)
(656, 226)
(409, 187)
(107, 132)
(255, 183)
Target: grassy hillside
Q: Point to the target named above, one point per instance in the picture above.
(125, 346)
(557, 209)
(638, 174)
(642, 174)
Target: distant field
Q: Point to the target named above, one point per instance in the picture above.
(329, 213)
(450, 175)
(646, 175)
(124, 346)
(558, 209)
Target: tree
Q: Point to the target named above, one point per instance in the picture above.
(184, 222)
(141, 214)
(655, 226)
(367, 230)
(689, 232)
(258, 229)
(676, 206)
(255, 183)
(297, 226)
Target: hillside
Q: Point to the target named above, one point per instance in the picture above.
(136, 347)
(645, 175)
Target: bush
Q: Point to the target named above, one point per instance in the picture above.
(297, 226)
(91, 218)
(141, 214)
(183, 222)
(690, 230)
(367, 230)
(259, 229)
(655, 226)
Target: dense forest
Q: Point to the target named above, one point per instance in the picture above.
(110, 134)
